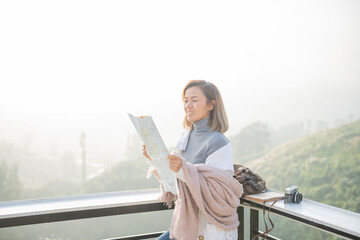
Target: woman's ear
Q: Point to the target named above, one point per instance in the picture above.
(212, 104)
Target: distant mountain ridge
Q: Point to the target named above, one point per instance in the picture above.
(325, 166)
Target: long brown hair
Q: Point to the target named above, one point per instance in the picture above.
(218, 120)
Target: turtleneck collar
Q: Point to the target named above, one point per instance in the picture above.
(202, 125)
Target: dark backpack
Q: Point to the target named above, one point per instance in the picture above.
(252, 182)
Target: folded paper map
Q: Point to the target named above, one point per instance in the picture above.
(156, 150)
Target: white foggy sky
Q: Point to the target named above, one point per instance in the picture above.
(68, 66)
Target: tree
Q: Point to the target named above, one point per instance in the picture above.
(10, 186)
(252, 140)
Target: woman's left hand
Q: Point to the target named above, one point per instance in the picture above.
(175, 163)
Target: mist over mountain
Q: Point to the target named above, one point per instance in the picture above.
(325, 166)
(286, 70)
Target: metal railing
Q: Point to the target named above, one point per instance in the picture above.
(17, 213)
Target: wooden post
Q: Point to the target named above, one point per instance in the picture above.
(241, 233)
(254, 223)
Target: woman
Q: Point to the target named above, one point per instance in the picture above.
(208, 194)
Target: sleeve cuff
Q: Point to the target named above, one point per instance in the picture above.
(180, 175)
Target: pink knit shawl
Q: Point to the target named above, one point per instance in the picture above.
(210, 191)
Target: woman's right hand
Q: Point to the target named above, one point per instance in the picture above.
(145, 152)
(147, 156)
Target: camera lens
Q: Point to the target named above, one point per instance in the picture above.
(298, 197)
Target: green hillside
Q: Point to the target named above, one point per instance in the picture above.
(325, 166)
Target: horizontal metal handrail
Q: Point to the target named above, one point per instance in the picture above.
(325, 217)
(25, 212)
(138, 236)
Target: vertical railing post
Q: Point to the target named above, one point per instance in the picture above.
(241, 233)
(254, 223)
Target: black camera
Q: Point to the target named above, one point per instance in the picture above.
(292, 195)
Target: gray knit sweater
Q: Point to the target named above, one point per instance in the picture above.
(203, 142)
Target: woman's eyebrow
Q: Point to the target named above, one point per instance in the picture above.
(191, 97)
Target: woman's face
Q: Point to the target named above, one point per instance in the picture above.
(195, 105)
